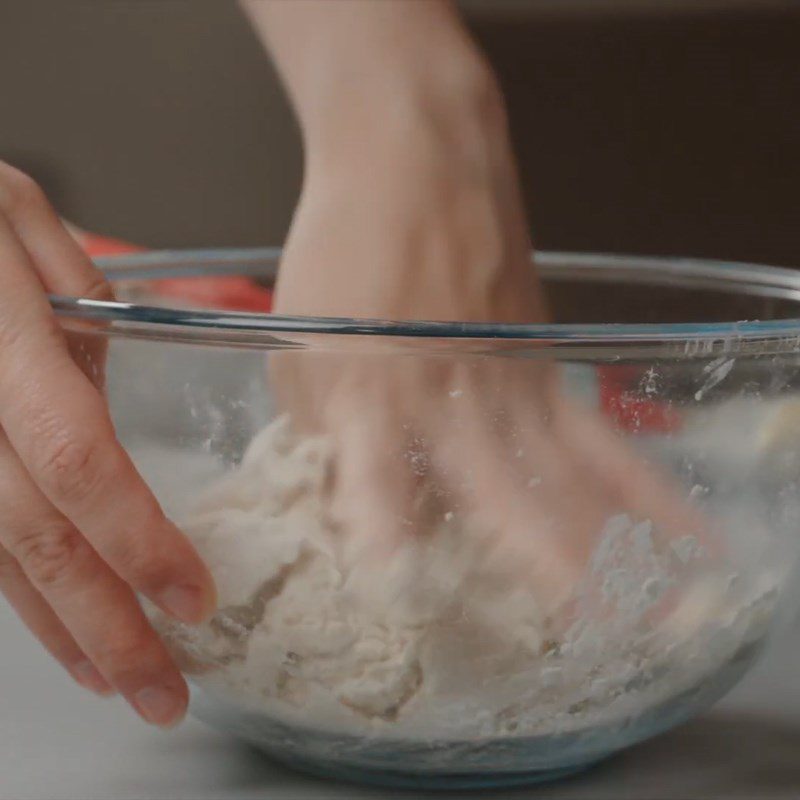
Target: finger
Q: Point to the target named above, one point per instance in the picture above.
(561, 482)
(642, 491)
(97, 608)
(645, 494)
(477, 466)
(60, 263)
(373, 479)
(40, 619)
(59, 425)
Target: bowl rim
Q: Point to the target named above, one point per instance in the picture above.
(724, 276)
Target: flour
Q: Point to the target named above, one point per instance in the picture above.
(438, 640)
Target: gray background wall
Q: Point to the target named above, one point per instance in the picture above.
(650, 126)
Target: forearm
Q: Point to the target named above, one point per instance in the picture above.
(347, 61)
(400, 114)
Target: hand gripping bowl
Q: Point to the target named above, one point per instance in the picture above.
(457, 555)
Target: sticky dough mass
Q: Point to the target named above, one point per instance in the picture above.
(440, 635)
(307, 615)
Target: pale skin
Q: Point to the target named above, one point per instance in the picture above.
(410, 210)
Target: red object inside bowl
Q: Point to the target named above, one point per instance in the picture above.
(628, 410)
(230, 293)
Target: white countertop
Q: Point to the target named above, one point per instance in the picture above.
(58, 743)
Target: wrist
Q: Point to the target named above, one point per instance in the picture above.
(362, 68)
(449, 101)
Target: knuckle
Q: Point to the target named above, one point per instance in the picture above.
(18, 191)
(15, 333)
(8, 566)
(97, 287)
(142, 566)
(133, 649)
(72, 466)
(50, 554)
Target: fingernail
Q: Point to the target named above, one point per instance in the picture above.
(159, 705)
(86, 674)
(186, 603)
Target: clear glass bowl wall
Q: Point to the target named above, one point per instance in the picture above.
(454, 690)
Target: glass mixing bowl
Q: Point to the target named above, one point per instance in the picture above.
(459, 555)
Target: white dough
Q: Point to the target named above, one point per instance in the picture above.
(306, 611)
(435, 638)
